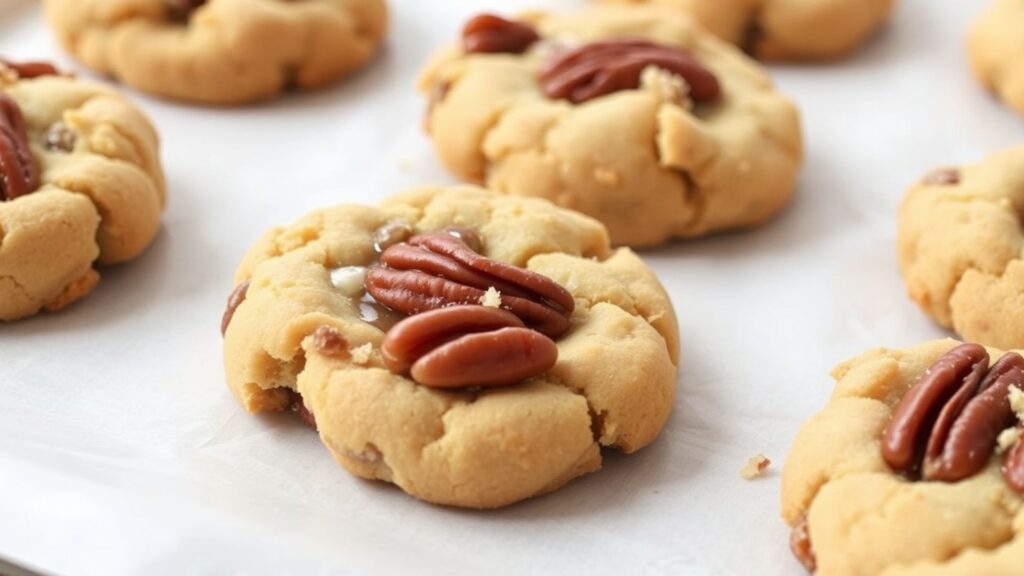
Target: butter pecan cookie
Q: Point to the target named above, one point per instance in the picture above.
(995, 45)
(631, 115)
(961, 245)
(80, 185)
(915, 466)
(786, 29)
(474, 349)
(220, 51)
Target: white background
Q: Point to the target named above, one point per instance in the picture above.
(122, 451)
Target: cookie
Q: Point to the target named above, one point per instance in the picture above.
(220, 51)
(960, 246)
(631, 115)
(80, 186)
(474, 349)
(994, 45)
(786, 29)
(915, 466)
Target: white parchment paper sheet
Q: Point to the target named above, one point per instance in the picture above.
(122, 452)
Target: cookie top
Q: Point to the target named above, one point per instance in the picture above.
(97, 193)
(696, 140)
(995, 43)
(855, 514)
(960, 247)
(220, 51)
(303, 323)
(786, 29)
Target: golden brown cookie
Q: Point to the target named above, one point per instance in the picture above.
(878, 484)
(786, 29)
(220, 51)
(995, 45)
(80, 185)
(960, 247)
(307, 328)
(631, 115)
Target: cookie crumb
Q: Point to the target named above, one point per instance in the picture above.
(491, 298)
(1017, 402)
(329, 342)
(1007, 438)
(755, 467)
(668, 87)
(361, 354)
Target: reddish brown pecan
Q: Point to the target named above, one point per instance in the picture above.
(1013, 464)
(234, 301)
(441, 269)
(28, 70)
(19, 173)
(942, 177)
(800, 545)
(493, 34)
(947, 426)
(298, 405)
(465, 346)
(605, 67)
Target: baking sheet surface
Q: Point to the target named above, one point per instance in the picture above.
(122, 452)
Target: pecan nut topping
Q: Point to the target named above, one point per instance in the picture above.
(29, 70)
(1013, 466)
(492, 34)
(947, 426)
(602, 68)
(234, 301)
(800, 545)
(19, 173)
(464, 346)
(442, 269)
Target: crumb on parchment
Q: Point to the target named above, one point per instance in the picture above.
(755, 467)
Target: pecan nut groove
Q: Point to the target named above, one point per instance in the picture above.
(492, 34)
(441, 269)
(602, 68)
(19, 173)
(464, 346)
(947, 426)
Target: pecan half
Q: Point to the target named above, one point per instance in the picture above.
(19, 173)
(234, 301)
(800, 545)
(440, 269)
(28, 70)
(464, 346)
(1013, 466)
(492, 34)
(947, 426)
(605, 67)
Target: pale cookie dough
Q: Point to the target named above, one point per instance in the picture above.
(865, 520)
(996, 45)
(960, 248)
(647, 163)
(613, 385)
(229, 51)
(100, 200)
(787, 29)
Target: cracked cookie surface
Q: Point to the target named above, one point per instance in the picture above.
(100, 197)
(226, 51)
(786, 29)
(613, 384)
(864, 519)
(647, 162)
(995, 44)
(961, 245)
